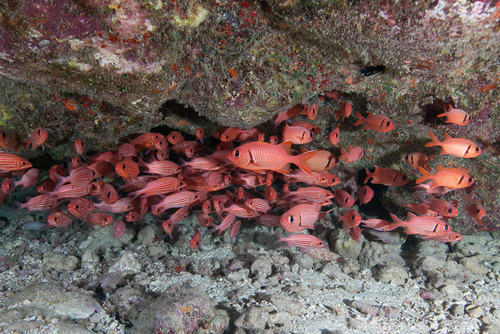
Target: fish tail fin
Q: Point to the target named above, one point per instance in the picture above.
(361, 119)
(343, 154)
(301, 161)
(60, 181)
(442, 115)
(434, 142)
(425, 175)
(182, 162)
(19, 206)
(368, 175)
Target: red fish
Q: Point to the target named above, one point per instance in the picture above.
(288, 114)
(46, 185)
(10, 162)
(313, 128)
(39, 203)
(457, 147)
(100, 168)
(258, 204)
(175, 200)
(78, 176)
(419, 225)
(145, 140)
(440, 206)
(196, 240)
(376, 224)
(81, 208)
(300, 217)
(175, 137)
(79, 148)
(364, 194)
(312, 195)
(476, 211)
(10, 141)
(127, 169)
(334, 136)
(126, 151)
(121, 205)
(323, 179)
(447, 237)
(119, 230)
(202, 163)
(355, 233)
(162, 186)
(352, 154)
(302, 241)
(108, 193)
(312, 111)
(226, 223)
(452, 178)
(344, 111)
(29, 179)
(378, 123)
(37, 138)
(58, 219)
(297, 134)
(100, 219)
(342, 198)
(163, 168)
(259, 157)
(351, 219)
(455, 116)
(132, 216)
(70, 191)
(386, 176)
(321, 161)
(200, 134)
(418, 159)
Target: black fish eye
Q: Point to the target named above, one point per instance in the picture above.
(449, 210)
(24, 162)
(469, 179)
(124, 166)
(346, 200)
(446, 227)
(353, 217)
(291, 219)
(195, 196)
(310, 134)
(237, 153)
(77, 207)
(156, 136)
(320, 243)
(388, 123)
(365, 191)
(404, 177)
(477, 149)
(55, 218)
(478, 211)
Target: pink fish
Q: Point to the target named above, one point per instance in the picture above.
(175, 200)
(378, 123)
(37, 138)
(352, 154)
(455, 116)
(334, 136)
(302, 241)
(119, 230)
(351, 219)
(342, 198)
(364, 194)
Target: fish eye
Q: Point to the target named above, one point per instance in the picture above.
(24, 163)
(346, 200)
(469, 180)
(449, 210)
(353, 217)
(291, 219)
(320, 243)
(477, 149)
(195, 196)
(404, 177)
(77, 207)
(388, 123)
(365, 191)
(124, 166)
(182, 183)
(478, 211)
(157, 136)
(310, 135)
(446, 227)
(237, 153)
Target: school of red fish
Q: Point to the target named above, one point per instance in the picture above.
(237, 181)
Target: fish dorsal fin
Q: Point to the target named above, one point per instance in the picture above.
(447, 136)
(370, 114)
(350, 148)
(287, 146)
(410, 216)
(439, 169)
